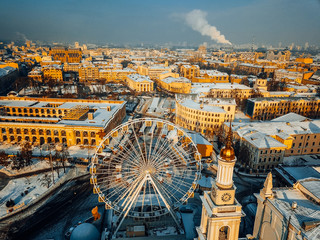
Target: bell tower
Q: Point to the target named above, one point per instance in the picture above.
(221, 212)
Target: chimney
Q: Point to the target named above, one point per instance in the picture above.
(90, 114)
(294, 205)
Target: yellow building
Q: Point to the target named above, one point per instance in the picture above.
(115, 75)
(261, 84)
(71, 67)
(269, 108)
(304, 60)
(153, 71)
(88, 73)
(52, 72)
(66, 55)
(222, 90)
(68, 121)
(287, 213)
(36, 74)
(190, 71)
(237, 78)
(285, 75)
(139, 83)
(211, 76)
(175, 85)
(166, 74)
(9, 64)
(205, 115)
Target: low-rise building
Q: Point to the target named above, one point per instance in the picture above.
(175, 85)
(270, 141)
(288, 213)
(269, 108)
(115, 75)
(139, 83)
(222, 90)
(88, 73)
(190, 71)
(68, 121)
(53, 72)
(211, 76)
(204, 115)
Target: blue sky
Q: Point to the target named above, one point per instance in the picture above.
(149, 21)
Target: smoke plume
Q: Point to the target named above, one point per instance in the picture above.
(196, 19)
(22, 36)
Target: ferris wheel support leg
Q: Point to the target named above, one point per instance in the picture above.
(128, 207)
(173, 214)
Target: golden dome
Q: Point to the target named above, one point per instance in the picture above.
(227, 153)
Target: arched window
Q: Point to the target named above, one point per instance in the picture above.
(224, 233)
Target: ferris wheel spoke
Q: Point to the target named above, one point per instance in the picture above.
(138, 144)
(175, 189)
(131, 154)
(127, 191)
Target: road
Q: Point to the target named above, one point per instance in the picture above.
(64, 209)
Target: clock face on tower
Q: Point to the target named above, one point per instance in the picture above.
(226, 197)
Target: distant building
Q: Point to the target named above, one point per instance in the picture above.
(139, 83)
(175, 85)
(190, 71)
(66, 55)
(269, 108)
(88, 73)
(52, 72)
(222, 90)
(278, 55)
(211, 76)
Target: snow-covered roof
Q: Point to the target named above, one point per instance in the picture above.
(102, 115)
(306, 211)
(262, 140)
(6, 70)
(139, 78)
(203, 107)
(279, 128)
(178, 80)
(290, 117)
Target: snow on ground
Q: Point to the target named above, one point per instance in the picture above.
(10, 148)
(80, 152)
(36, 165)
(74, 151)
(34, 185)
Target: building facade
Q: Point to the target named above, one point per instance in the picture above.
(204, 115)
(288, 213)
(269, 108)
(139, 83)
(68, 121)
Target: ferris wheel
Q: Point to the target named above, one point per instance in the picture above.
(145, 168)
